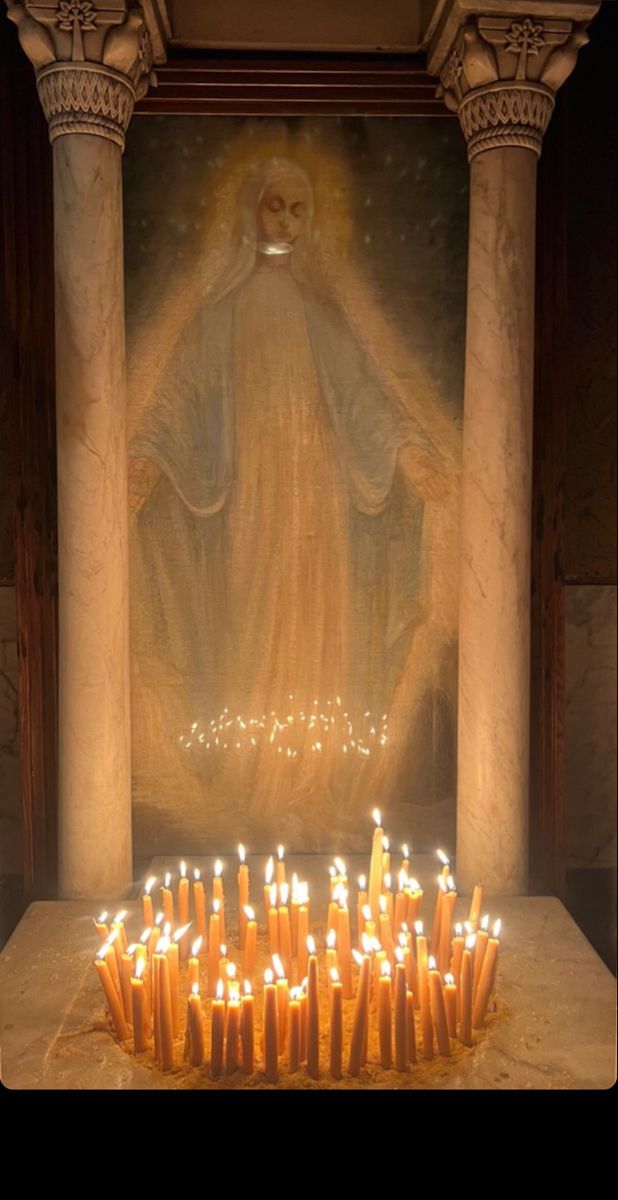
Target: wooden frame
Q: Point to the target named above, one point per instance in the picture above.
(250, 84)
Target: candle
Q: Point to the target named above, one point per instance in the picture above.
(386, 857)
(193, 967)
(285, 932)
(183, 910)
(411, 1031)
(213, 949)
(243, 895)
(224, 965)
(282, 1002)
(247, 1035)
(167, 901)
(313, 1013)
(405, 862)
(446, 921)
(268, 875)
(456, 957)
(476, 905)
(199, 904)
(450, 1004)
(375, 868)
(437, 917)
(195, 1027)
(217, 894)
(423, 992)
(232, 1033)
(280, 875)
(415, 898)
(401, 1015)
(331, 956)
(250, 943)
(303, 934)
(111, 995)
(269, 1025)
(369, 925)
(101, 927)
(273, 922)
(217, 1031)
(126, 972)
(409, 958)
(332, 919)
(385, 1016)
(303, 1020)
(345, 948)
(486, 978)
(165, 1006)
(294, 907)
(361, 903)
(386, 933)
(438, 1010)
(361, 1012)
(465, 991)
(401, 903)
(336, 1024)
(111, 958)
(294, 1031)
(173, 955)
(138, 1008)
(155, 934)
(482, 938)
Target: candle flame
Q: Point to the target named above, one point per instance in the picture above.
(497, 927)
(405, 851)
(332, 871)
(196, 947)
(101, 920)
(403, 879)
(180, 933)
(218, 868)
(362, 882)
(403, 940)
(388, 882)
(471, 941)
(130, 950)
(223, 950)
(442, 883)
(485, 922)
(295, 993)
(443, 859)
(358, 958)
(340, 865)
(367, 914)
(334, 974)
(342, 896)
(278, 965)
(216, 905)
(377, 817)
(383, 904)
(375, 945)
(415, 885)
(418, 927)
(220, 989)
(268, 976)
(270, 866)
(241, 852)
(195, 988)
(331, 939)
(284, 892)
(167, 929)
(273, 895)
(399, 954)
(249, 912)
(139, 967)
(280, 853)
(248, 988)
(431, 963)
(146, 934)
(385, 967)
(150, 884)
(163, 945)
(196, 875)
(158, 919)
(311, 944)
(385, 844)
(183, 869)
(451, 884)
(231, 970)
(168, 879)
(458, 929)
(120, 916)
(468, 927)
(366, 943)
(450, 979)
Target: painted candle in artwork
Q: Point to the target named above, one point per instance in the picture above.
(294, 484)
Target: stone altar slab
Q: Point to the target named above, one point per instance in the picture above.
(558, 1030)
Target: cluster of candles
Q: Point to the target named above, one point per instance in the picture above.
(397, 975)
(321, 726)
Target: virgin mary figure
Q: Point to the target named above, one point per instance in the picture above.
(279, 487)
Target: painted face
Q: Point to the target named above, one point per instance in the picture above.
(281, 211)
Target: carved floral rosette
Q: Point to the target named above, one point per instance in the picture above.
(502, 75)
(86, 98)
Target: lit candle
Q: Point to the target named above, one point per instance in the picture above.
(199, 904)
(405, 862)
(173, 954)
(268, 875)
(269, 1025)
(332, 919)
(482, 938)
(111, 995)
(361, 1012)
(342, 874)
(247, 1035)
(345, 947)
(465, 992)
(435, 932)
(273, 921)
(294, 1032)
(126, 972)
(138, 1008)
(243, 895)
(303, 933)
(280, 875)
(401, 903)
(386, 857)
(195, 1025)
(336, 1024)
(282, 1001)
(331, 957)
(446, 921)
(101, 927)
(385, 1016)
(193, 967)
(250, 943)
(414, 893)
(217, 894)
(167, 901)
(213, 949)
(386, 933)
(147, 901)
(411, 1030)
(456, 957)
(450, 1004)
(155, 934)
(369, 925)
(294, 907)
(303, 1019)
(111, 958)
(183, 910)
(217, 1031)
(401, 1016)
(232, 1032)
(165, 1006)
(361, 903)
(313, 1013)
(285, 932)
(438, 1010)
(476, 905)
(486, 979)
(423, 992)
(375, 869)
(224, 963)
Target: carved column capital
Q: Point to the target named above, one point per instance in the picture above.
(93, 59)
(500, 74)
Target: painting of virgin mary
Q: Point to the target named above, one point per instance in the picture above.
(284, 493)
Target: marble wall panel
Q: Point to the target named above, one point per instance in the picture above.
(590, 758)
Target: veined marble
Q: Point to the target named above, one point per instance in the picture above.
(590, 739)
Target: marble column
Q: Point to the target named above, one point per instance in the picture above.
(91, 62)
(500, 75)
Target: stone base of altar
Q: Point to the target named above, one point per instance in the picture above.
(555, 995)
